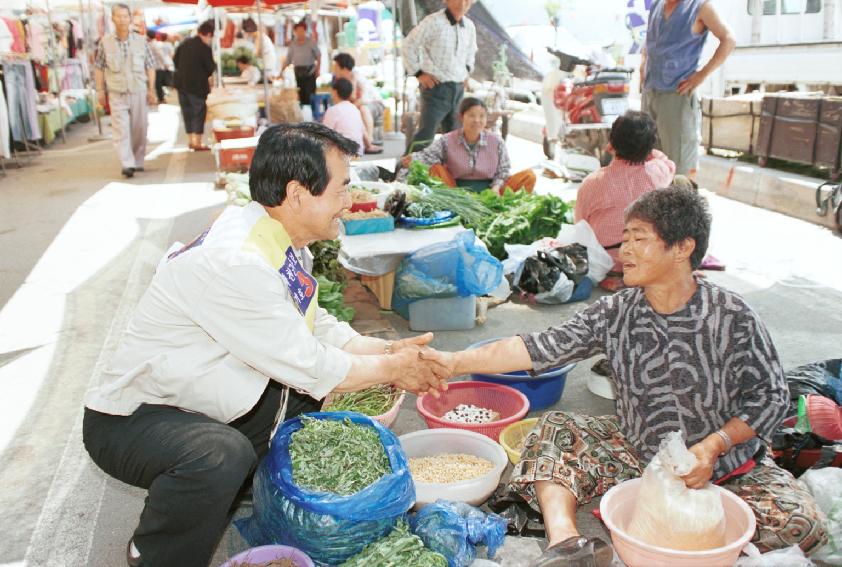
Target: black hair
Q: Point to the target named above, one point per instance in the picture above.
(300, 24)
(468, 103)
(633, 136)
(294, 152)
(150, 34)
(244, 59)
(249, 25)
(207, 28)
(676, 213)
(345, 61)
(343, 88)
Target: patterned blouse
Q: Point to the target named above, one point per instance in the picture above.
(691, 370)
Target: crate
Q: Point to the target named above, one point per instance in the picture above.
(233, 133)
(731, 123)
(235, 154)
(382, 288)
(443, 314)
(369, 226)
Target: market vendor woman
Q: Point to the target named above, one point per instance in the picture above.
(228, 337)
(471, 156)
(686, 354)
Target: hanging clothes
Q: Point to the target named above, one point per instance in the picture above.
(227, 39)
(5, 149)
(22, 99)
(18, 44)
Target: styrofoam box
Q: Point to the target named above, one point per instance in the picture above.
(446, 314)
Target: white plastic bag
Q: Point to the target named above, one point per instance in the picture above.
(788, 557)
(667, 513)
(599, 261)
(826, 486)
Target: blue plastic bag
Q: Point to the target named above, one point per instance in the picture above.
(328, 527)
(459, 267)
(454, 529)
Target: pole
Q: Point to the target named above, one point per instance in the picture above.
(395, 30)
(217, 43)
(52, 36)
(262, 33)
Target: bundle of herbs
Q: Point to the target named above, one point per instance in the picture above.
(434, 196)
(520, 218)
(373, 401)
(401, 548)
(340, 457)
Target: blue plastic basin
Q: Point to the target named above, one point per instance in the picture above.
(543, 390)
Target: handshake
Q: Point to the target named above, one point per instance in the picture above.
(420, 369)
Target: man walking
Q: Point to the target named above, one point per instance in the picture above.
(125, 66)
(305, 57)
(193, 68)
(674, 41)
(440, 51)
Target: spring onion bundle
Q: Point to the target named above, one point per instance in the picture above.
(372, 401)
(341, 457)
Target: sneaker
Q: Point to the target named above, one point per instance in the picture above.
(577, 551)
(127, 172)
(139, 169)
(133, 558)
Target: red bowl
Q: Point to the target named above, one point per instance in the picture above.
(508, 402)
(364, 207)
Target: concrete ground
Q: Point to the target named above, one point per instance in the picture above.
(80, 245)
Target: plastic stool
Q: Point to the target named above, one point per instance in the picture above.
(319, 102)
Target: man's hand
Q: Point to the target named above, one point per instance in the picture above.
(689, 85)
(100, 98)
(707, 451)
(410, 342)
(418, 374)
(151, 98)
(427, 80)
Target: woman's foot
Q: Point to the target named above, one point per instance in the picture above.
(577, 551)
(372, 149)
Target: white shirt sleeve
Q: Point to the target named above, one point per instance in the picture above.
(411, 48)
(247, 310)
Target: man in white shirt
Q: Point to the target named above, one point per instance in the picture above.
(440, 51)
(249, 72)
(228, 336)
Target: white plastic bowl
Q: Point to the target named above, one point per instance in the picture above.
(431, 442)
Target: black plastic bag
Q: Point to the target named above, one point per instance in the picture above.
(822, 378)
(541, 273)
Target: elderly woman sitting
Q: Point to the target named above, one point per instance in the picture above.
(686, 354)
(472, 157)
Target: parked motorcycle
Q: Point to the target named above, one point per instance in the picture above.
(579, 113)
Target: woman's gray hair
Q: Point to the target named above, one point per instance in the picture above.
(676, 213)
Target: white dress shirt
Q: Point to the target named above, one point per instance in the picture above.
(215, 325)
(441, 48)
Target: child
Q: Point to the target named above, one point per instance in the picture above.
(343, 116)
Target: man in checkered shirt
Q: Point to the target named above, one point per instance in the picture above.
(440, 51)
(125, 66)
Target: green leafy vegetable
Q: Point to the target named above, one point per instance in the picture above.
(326, 260)
(401, 548)
(332, 299)
(520, 218)
(373, 401)
(340, 457)
(419, 174)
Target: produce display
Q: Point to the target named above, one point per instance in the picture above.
(373, 401)
(519, 218)
(360, 215)
(332, 300)
(449, 467)
(361, 196)
(401, 548)
(467, 413)
(339, 457)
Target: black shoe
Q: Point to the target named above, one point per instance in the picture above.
(577, 551)
(138, 169)
(128, 172)
(130, 559)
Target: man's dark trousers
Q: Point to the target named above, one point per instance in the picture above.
(439, 105)
(193, 467)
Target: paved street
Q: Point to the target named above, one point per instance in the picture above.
(80, 245)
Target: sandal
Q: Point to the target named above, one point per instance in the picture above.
(577, 551)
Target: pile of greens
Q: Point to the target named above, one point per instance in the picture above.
(401, 548)
(326, 260)
(519, 218)
(332, 299)
(419, 174)
(229, 61)
(434, 196)
(373, 401)
(340, 457)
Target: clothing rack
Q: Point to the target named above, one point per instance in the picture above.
(21, 157)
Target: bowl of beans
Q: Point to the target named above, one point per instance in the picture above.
(453, 464)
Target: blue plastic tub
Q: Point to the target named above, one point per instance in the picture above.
(543, 390)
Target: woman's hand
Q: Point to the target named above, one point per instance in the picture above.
(707, 451)
(406, 160)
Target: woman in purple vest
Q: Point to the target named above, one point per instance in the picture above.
(471, 156)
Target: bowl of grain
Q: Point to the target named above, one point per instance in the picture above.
(453, 464)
